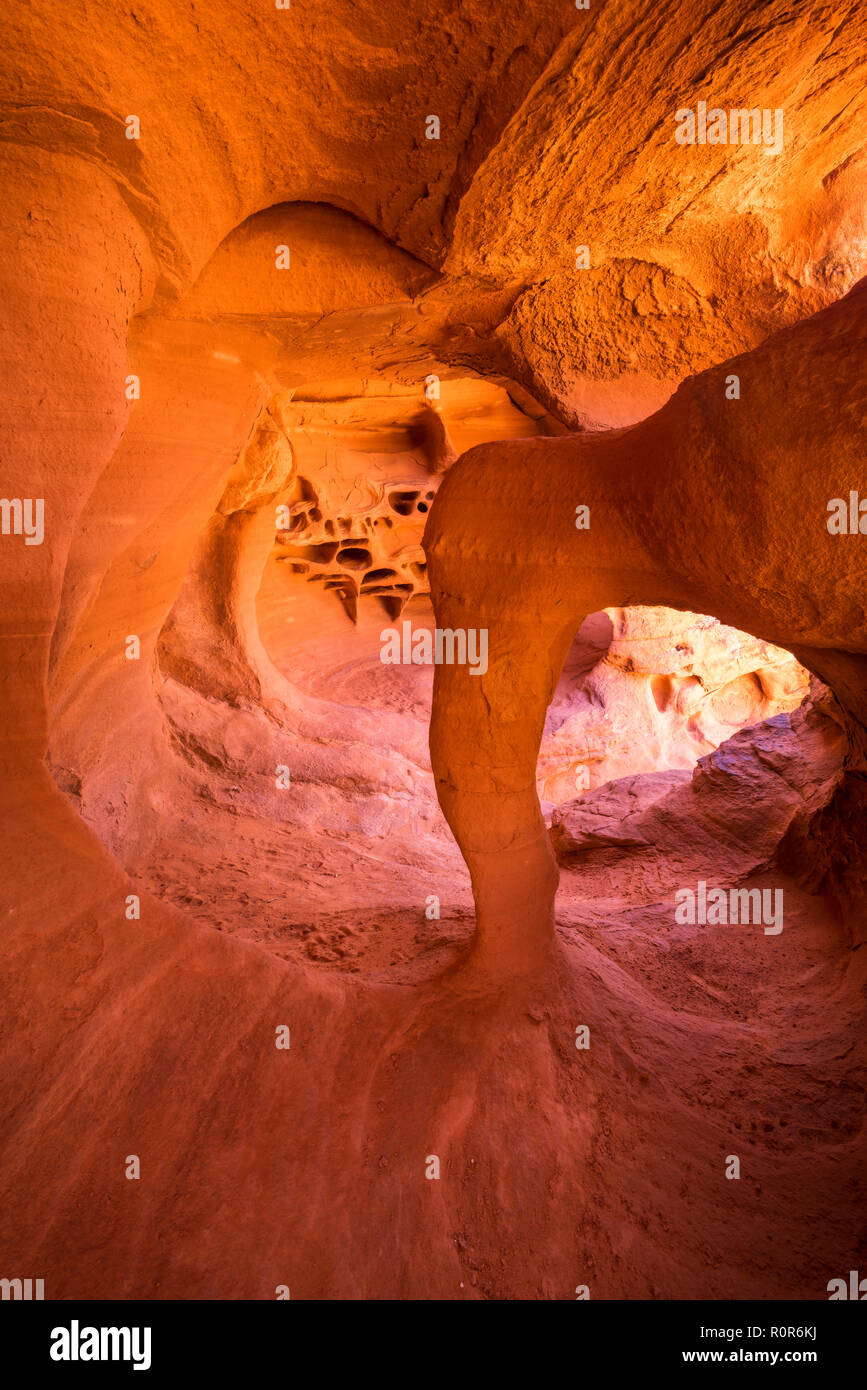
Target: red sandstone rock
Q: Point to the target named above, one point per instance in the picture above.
(169, 387)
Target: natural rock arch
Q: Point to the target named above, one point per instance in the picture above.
(699, 507)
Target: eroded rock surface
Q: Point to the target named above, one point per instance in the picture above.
(254, 325)
(666, 687)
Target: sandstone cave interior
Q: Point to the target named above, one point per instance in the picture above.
(293, 367)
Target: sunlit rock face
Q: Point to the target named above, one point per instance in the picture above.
(667, 688)
(368, 470)
(366, 327)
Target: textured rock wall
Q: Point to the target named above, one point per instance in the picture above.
(243, 308)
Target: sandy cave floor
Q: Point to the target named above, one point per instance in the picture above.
(696, 1029)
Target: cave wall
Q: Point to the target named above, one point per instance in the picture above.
(154, 258)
